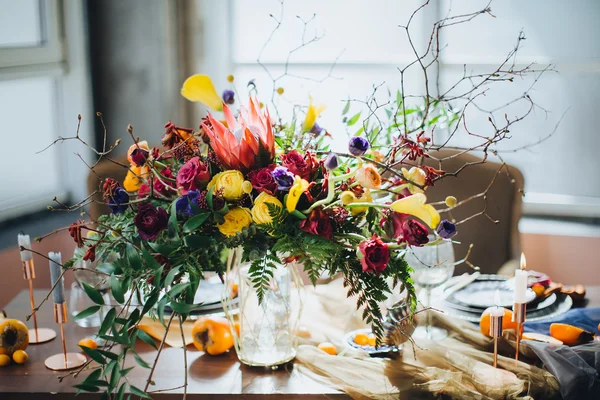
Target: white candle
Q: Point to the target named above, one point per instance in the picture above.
(521, 282)
(25, 241)
(495, 311)
(58, 294)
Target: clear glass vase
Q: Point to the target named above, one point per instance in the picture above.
(264, 334)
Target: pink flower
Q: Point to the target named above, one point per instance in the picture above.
(161, 187)
(192, 175)
(375, 255)
(297, 164)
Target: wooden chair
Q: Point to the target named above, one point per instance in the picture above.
(496, 245)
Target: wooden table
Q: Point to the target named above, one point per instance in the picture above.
(221, 377)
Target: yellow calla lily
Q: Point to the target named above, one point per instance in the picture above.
(299, 186)
(200, 88)
(415, 205)
(417, 176)
(312, 114)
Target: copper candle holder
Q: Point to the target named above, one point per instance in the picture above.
(63, 361)
(495, 332)
(519, 316)
(36, 335)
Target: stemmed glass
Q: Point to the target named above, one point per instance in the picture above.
(433, 264)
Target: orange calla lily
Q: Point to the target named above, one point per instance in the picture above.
(244, 143)
(200, 88)
(416, 205)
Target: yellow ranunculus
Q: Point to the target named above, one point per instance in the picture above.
(134, 177)
(201, 89)
(415, 205)
(416, 176)
(347, 197)
(311, 115)
(230, 182)
(235, 220)
(368, 177)
(299, 186)
(260, 211)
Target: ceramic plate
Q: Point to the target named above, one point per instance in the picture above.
(482, 293)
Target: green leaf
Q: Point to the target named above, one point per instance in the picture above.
(209, 198)
(197, 241)
(87, 388)
(144, 337)
(108, 354)
(93, 376)
(107, 268)
(195, 222)
(133, 257)
(150, 301)
(94, 355)
(149, 260)
(177, 289)
(139, 392)
(121, 391)
(183, 308)
(116, 289)
(354, 119)
(171, 276)
(160, 310)
(163, 249)
(346, 108)
(109, 319)
(93, 294)
(140, 361)
(87, 312)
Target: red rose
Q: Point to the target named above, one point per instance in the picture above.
(143, 191)
(318, 223)
(304, 167)
(414, 233)
(161, 187)
(375, 255)
(191, 175)
(263, 181)
(150, 221)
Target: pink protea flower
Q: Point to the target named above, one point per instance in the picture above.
(246, 143)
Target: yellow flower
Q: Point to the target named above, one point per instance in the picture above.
(311, 115)
(368, 177)
(415, 205)
(200, 88)
(451, 201)
(416, 176)
(299, 186)
(235, 220)
(230, 78)
(349, 197)
(280, 90)
(230, 182)
(134, 178)
(247, 187)
(260, 211)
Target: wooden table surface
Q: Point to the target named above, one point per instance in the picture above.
(221, 377)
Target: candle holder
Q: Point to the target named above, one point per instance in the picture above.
(495, 332)
(519, 316)
(36, 335)
(63, 361)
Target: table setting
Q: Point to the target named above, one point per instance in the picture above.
(260, 254)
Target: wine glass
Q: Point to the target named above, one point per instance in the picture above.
(432, 264)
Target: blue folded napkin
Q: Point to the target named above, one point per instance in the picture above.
(584, 318)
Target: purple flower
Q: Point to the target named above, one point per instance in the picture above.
(183, 205)
(118, 201)
(228, 97)
(331, 162)
(358, 146)
(446, 229)
(283, 177)
(316, 129)
(150, 221)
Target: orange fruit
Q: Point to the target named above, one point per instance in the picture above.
(328, 348)
(4, 360)
(361, 339)
(20, 357)
(87, 342)
(507, 323)
(570, 335)
(372, 340)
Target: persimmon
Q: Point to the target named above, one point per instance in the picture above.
(14, 336)
(507, 323)
(212, 335)
(570, 335)
(328, 348)
(20, 357)
(4, 360)
(361, 339)
(89, 343)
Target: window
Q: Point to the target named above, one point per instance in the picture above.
(559, 172)
(43, 87)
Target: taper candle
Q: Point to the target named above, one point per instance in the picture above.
(58, 294)
(521, 282)
(25, 241)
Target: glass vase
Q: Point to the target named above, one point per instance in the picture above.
(264, 333)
